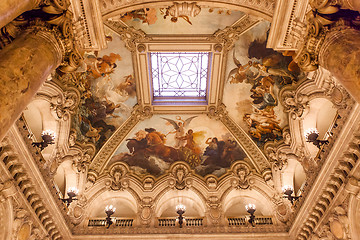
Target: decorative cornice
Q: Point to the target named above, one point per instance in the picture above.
(337, 171)
(264, 9)
(229, 35)
(129, 35)
(28, 188)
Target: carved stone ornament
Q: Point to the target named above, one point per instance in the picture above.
(77, 210)
(241, 173)
(22, 224)
(179, 177)
(214, 209)
(229, 35)
(295, 104)
(211, 183)
(148, 183)
(324, 19)
(55, 19)
(118, 177)
(129, 35)
(146, 211)
(64, 106)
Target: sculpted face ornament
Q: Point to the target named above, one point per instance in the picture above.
(242, 172)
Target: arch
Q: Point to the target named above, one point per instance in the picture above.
(66, 177)
(263, 9)
(293, 175)
(321, 115)
(234, 203)
(165, 206)
(125, 203)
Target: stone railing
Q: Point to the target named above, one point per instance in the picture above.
(237, 221)
(118, 222)
(171, 222)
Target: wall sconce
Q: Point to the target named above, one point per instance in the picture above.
(48, 137)
(109, 210)
(312, 134)
(288, 191)
(72, 193)
(180, 209)
(251, 208)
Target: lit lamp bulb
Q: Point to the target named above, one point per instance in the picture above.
(180, 209)
(109, 210)
(48, 137)
(311, 135)
(251, 208)
(288, 191)
(72, 192)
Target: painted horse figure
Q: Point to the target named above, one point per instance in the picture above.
(157, 147)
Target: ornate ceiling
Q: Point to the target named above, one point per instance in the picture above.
(118, 146)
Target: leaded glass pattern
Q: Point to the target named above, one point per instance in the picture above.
(179, 74)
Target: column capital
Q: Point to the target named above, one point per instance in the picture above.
(324, 22)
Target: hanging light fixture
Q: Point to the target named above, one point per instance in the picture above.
(311, 135)
(251, 208)
(180, 209)
(109, 210)
(288, 191)
(72, 192)
(48, 137)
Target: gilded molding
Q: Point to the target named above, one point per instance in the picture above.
(229, 35)
(261, 8)
(129, 35)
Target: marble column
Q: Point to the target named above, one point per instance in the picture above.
(10, 9)
(340, 54)
(24, 65)
(329, 6)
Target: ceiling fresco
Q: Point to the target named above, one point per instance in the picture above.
(108, 92)
(192, 20)
(254, 76)
(154, 144)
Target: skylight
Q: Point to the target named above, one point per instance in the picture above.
(180, 75)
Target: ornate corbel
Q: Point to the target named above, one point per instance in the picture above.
(180, 177)
(241, 173)
(119, 179)
(295, 104)
(64, 106)
(213, 204)
(146, 210)
(77, 211)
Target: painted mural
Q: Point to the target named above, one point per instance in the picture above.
(180, 18)
(255, 75)
(108, 92)
(158, 142)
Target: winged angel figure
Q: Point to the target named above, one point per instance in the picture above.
(179, 129)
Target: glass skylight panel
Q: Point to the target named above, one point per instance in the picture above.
(179, 74)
